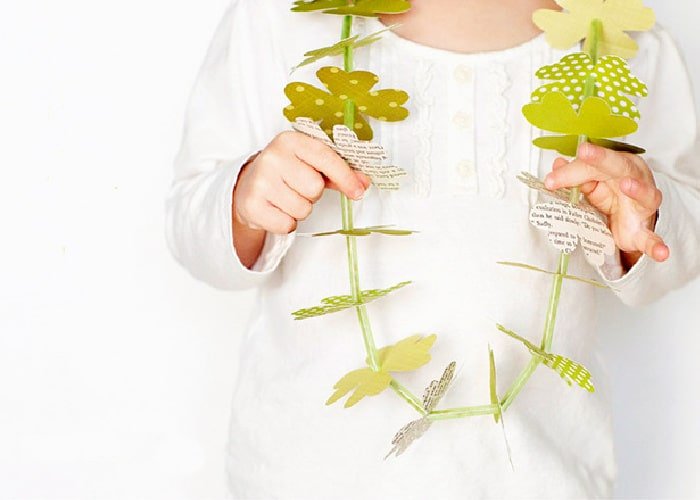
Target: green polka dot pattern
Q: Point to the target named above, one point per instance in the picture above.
(614, 82)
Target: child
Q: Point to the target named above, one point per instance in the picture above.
(246, 187)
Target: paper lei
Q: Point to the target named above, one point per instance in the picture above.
(586, 96)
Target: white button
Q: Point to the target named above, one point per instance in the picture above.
(462, 119)
(463, 73)
(465, 168)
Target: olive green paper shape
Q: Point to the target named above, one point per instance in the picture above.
(564, 29)
(366, 231)
(339, 48)
(543, 271)
(364, 8)
(613, 82)
(415, 429)
(493, 392)
(406, 355)
(338, 303)
(555, 113)
(570, 371)
(328, 107)
(568, 144)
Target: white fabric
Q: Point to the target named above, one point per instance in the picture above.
(463, 145)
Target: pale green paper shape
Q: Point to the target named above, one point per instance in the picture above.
(567, 369)
(564, 29)
(365, 8)
(492, 386)
(406, 355)
(338, 303)
(568, 144)
(495, 401)
(339, 48)
(364, 231)
(329, 107)
(554, 113)
(415, 429)
(565, 276)
(613, 82)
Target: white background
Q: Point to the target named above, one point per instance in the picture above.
(115, 366)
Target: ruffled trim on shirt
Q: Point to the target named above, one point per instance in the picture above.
(422, 127)
(499, 83)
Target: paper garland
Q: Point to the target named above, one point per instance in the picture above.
(585, 97)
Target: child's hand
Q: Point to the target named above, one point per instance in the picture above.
(621, 186)
(279, 187)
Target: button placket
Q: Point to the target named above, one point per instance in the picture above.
(461, 151)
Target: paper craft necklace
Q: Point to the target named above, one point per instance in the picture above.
(586, 99)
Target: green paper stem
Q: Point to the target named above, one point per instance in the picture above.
(348, 223)
(409, 397)
(461, 412)
(563, 262)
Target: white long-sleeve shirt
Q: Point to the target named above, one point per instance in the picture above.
(462, 145)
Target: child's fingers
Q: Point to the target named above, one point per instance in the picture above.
(329, 163)
(650, 243)
(305, 180)
(572, 174)
(290, 202)
(611, 163)
(366, 182)
(272, 219)
(645, 194)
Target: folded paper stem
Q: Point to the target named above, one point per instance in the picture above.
(465, 411)
(563, 262)
(408, 396)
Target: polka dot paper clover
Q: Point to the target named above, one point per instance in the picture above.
(329, 107)
(614, 81)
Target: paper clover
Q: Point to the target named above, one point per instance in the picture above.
(567, 224)
(417, 428)
(564, 29)
(329, 107)
(366, 8)
(570, 371)
(406, 355)
(338, 303)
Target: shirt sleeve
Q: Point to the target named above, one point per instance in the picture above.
(669, 132)
(234, 110)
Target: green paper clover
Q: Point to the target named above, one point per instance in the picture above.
(341, 302)
(595, 119)
(570, 371)
(564, 29)
(614, 81)
(565, 276)
(329, 107)
(339, 48)
(406, 355)
(366, 8)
